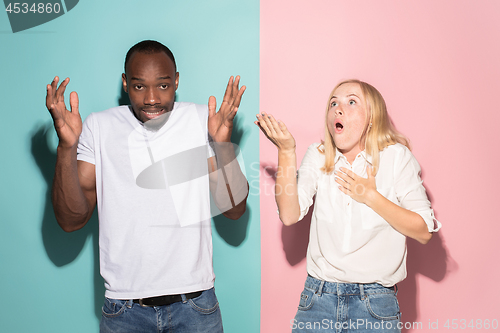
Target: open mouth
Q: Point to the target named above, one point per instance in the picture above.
(338, 126)
(151, 114)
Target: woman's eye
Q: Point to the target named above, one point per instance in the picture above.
(352, 102)
(333, 104)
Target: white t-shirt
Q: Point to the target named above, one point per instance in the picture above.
(348, 241)
(153, 201)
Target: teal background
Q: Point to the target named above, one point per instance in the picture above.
(49, 279)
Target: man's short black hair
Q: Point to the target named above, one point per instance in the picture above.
(149, 47)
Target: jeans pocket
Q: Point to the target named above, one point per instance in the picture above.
(206, 303)
(113, 307)
(307, 299)
(383, 306)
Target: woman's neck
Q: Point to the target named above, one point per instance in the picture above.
(351, 154)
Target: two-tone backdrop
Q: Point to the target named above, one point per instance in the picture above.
(435, 62)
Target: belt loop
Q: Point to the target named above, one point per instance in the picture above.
(362, 290)
(183, 297)
(320, 288)
(396, 289)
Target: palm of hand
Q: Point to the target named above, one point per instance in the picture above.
(284, 140)
(68, 124)
(220, 124)
(276, 132)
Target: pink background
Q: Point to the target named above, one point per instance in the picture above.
(437, 64)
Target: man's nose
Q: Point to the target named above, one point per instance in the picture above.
(152, 97)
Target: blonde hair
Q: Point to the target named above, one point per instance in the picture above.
(379, 131)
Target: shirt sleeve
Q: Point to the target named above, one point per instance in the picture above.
(410, 190)
(86, 142)
(308, 177)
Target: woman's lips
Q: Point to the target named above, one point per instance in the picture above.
(339, 127)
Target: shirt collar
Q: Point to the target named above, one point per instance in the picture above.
(363, 154)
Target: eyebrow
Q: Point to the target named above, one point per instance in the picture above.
(346, 96)
(160, 78)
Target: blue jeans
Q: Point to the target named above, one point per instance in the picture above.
(346, 307)
(199, 314)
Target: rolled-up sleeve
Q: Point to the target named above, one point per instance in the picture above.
(410, 190)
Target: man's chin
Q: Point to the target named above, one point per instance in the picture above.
(156, 123)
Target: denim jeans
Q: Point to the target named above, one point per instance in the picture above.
(199, 314)
(346, 307)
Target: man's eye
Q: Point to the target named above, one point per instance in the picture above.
(138, 87)
(164, 86)
(352, 102)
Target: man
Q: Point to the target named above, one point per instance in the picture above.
(145, 166)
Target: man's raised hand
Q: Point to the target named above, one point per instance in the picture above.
(68, 124)
(220, 124)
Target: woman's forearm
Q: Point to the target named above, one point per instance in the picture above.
(403, 220)
(286, 187)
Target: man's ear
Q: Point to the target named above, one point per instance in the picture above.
(124, 82)
(176, 80)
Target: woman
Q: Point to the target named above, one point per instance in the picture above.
(368, 198)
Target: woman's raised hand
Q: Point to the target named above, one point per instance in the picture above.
(276, 131)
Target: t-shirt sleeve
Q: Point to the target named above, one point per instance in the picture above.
(308, 176)
(86, 142)
(410, 190)
(203, 117)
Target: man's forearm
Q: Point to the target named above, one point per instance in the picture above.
(230, 188)
(71, 207)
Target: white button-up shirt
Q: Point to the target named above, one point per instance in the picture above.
(348, 241)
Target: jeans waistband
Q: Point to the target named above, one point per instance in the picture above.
(340, 288)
